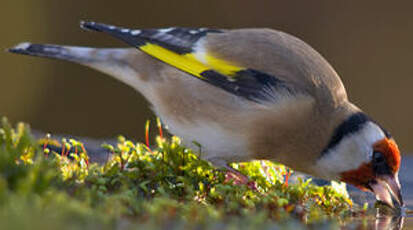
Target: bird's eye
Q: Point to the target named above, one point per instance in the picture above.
(380, 164)
(378, 158)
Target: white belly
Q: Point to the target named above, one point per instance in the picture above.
(216, 143)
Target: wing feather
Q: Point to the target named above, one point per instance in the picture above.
(178, 47)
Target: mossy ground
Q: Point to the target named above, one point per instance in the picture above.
(167, 186)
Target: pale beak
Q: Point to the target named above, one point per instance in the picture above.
(387, 189)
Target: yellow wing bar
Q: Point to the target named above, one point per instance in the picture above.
(178, 51)
(178, 47)
(181, 62)
(222, 66)
(188, 62)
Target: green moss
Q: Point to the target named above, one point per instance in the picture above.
(167, 185)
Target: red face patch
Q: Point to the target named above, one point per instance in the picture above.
(390, 151)
(361, 176)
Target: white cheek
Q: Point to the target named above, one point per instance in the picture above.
(351, 152)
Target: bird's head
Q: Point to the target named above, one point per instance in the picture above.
(380, 174)
(364, 155)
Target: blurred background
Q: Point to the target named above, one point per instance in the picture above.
(369, 43)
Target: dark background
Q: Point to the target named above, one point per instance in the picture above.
(369, 44)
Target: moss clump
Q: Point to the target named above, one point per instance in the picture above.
(166, 186)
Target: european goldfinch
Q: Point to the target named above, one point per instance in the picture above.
(248, 94)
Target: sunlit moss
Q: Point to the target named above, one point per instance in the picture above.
(150, 187)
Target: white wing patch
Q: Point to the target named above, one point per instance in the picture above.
(166, 30)
(200, 51)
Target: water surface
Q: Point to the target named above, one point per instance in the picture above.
(406, 179)
(389, 222)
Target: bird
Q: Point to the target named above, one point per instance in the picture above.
(246, 94)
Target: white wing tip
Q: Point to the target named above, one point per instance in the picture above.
(22, 46)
